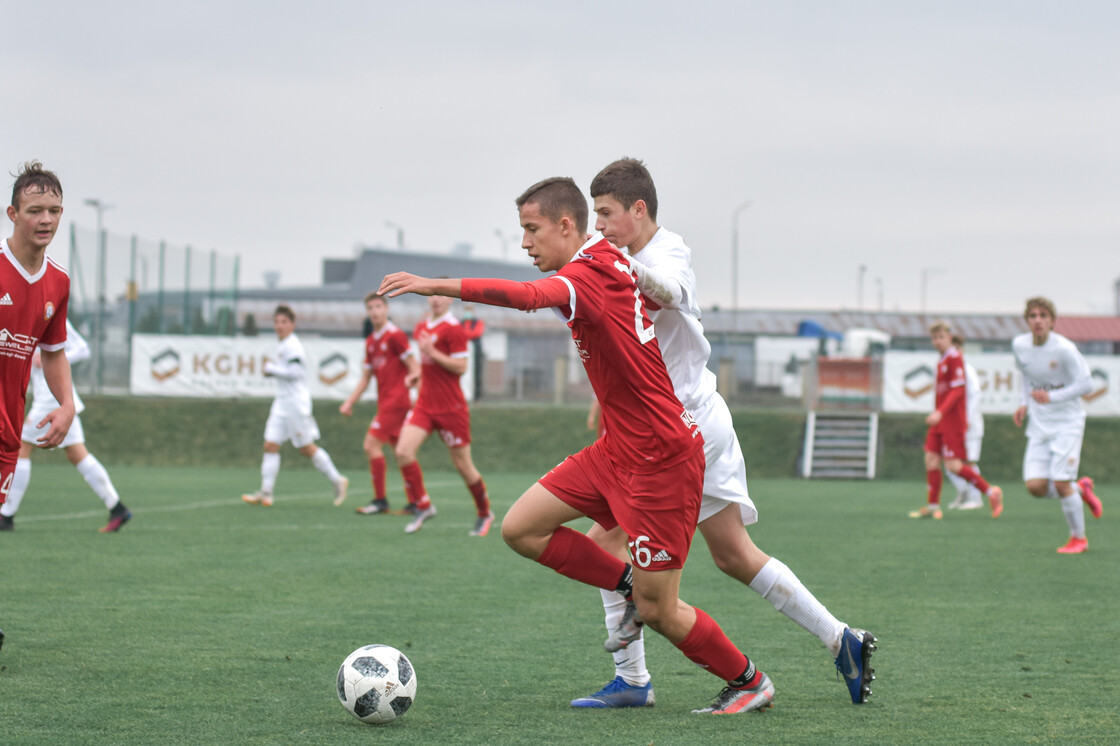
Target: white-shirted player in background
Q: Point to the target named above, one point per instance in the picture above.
(1055, 377)
(290, 417)
(73, 444)
(626, 208)
(969, 497)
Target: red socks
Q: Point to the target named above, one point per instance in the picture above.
(377, 476)
(575, 556)
(708, 647)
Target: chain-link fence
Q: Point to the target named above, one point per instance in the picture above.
(124, 284)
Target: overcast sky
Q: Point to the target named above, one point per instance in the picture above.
(973, 143)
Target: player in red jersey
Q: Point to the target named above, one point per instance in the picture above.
(389, 359)
(441, 407)
(646, 472)
(34, 292)
(945, 439)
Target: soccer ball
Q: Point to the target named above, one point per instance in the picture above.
(376, 683)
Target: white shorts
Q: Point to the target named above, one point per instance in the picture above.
(1056, 458)
(302, 430)
(725, 478)
(31, 434)
(972, 447)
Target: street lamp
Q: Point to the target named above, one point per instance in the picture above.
(99, 317)
(859, 289)
(735, 255)
(400, 233)
(879, 285)
(926, 272)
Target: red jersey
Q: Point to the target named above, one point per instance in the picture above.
(385, 354)
(32, 314)
(439, 388)
(646, 427)
(950, 397)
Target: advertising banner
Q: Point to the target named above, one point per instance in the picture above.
(909, 377)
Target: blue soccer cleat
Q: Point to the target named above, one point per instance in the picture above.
(854, 663)
(618, 694)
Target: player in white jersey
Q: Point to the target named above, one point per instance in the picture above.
(73, 444)
(1055, 377)
(626, 209)
(969, 497)
(290, 417)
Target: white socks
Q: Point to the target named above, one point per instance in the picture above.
(630, 661)
(270, 468)
(1074, 511)
(98, 479)
(322, 461)
(777, 584)
(20, 480)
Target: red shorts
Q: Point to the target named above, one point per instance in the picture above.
(454, 426)
(947, 445)
(387, 424)
(657, 511)
(7, 473)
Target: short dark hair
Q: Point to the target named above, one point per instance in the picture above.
(374, 295)
(627, 180)
(32, 176)
(558, 197)
(285, 310)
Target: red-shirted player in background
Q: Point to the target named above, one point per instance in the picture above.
(645, 473)
(34, 292)
(441, 406)
(948, 423)
(389, 359)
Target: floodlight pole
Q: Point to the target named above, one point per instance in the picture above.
(400, 233)
(98, 319)
(735, 258)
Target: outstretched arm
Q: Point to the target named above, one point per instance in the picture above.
(399, 283)
(547, 293)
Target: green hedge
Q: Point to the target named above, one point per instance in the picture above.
(134, 430)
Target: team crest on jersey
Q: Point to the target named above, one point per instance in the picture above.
(48, 311)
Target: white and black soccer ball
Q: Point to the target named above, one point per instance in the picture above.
(376, 683)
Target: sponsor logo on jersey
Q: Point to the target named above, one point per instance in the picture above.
(17, 345)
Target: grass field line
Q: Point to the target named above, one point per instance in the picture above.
(233, 501)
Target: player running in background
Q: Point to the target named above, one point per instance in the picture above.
(34, 293)
(947, 424)
(441, 406)
(969, 497)
(645, 473)
(626, 208)
(73, 444)
(1055, 377)
(290, 416)
(389, 359)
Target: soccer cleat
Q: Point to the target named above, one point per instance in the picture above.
(340, 488)
(628, 629)
(7, 523)
(995, 499)
(1074, 546)
(258, 498)
(732, 701)
(117, 518)
(618, 694)
(374, 508)
(1089, 497)
(409, 509)
(928, 511)
(421, 516)
(482, 524)
(958, 501)
(854, 663)
(972, 504)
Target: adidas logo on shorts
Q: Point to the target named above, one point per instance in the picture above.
(661, 556)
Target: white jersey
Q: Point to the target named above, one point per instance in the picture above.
(289, 368)
(76, 350)
(973, 414)
(677, 322)
(1057, 367)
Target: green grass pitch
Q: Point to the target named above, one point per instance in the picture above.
(206, 620)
